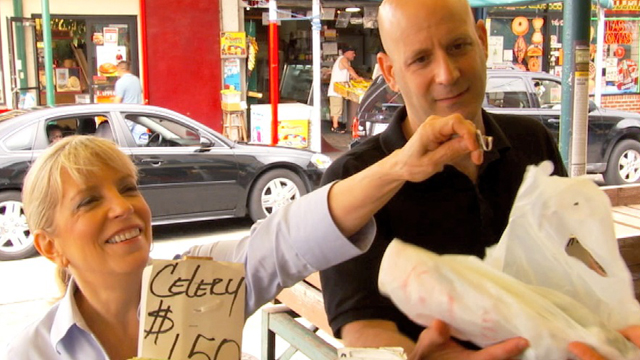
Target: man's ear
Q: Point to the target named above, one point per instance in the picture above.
(481, 30)
(386, 68)
(46, 246)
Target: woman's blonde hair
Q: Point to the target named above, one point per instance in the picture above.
(82, 157)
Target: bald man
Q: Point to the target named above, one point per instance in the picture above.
(435, 55)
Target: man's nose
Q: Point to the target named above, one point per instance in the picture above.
(446, 69)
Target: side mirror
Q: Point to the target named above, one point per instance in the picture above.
(592, 106)
(205, 144)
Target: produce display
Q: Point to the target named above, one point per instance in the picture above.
(352, 90)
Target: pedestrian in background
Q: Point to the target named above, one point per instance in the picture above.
(340, 72)
(128, 88)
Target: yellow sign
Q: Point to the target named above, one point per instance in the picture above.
(233, 44)
(293, 133)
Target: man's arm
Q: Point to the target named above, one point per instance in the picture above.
(357, 198)
(344, 63)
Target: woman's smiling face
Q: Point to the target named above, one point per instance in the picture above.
(102, 224)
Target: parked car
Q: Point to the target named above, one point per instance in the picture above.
(187, 171)
(613, 145)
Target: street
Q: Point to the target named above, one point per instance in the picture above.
(29, 287)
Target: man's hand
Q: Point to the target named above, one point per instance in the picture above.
(585, 352)
(437, 142)
(435, 343)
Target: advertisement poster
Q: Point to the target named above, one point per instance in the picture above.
(233, 44)
(110, 36)
(108, 57)
(232, 74)
(496, 50)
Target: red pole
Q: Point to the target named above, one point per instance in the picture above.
(144, 71)
(274, 91)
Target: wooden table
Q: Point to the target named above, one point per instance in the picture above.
(625, 201)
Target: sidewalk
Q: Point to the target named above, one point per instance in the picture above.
(334, 144)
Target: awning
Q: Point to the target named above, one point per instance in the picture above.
(488, 3)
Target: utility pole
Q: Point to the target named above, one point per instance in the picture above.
(575, 90)
(48, 53)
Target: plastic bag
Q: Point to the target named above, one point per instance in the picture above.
(527, 285)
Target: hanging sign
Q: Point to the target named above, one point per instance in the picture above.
(110, 36)
(192, 309)
(233, 44)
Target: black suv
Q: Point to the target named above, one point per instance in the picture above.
(613, 147)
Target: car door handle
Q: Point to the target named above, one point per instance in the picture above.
(554, 121)
(153, 162)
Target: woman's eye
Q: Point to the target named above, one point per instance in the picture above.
(87, 201)
(130, 188)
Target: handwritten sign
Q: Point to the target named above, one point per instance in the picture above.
(192, 309)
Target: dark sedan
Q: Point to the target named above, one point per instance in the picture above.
(187, 171)
(613, 144)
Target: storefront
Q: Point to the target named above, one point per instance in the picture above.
(356, 28)
(530, 38)
(178, 66)
(83, 42)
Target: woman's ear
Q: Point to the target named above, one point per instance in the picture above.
(46, 246)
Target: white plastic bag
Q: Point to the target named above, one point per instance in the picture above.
(527, 286)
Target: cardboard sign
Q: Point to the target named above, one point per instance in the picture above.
(192, 308)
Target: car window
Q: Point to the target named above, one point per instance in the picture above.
(380, 102)
(156, 131)
(507, 92)
(549, 93)
(22, 139)
(56, 129)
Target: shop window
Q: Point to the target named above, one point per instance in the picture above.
(620, 56)
(507, 92)
(549, 93)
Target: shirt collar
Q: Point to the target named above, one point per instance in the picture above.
(66, 317)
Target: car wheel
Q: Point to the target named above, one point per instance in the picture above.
(16, 241)
(624, 164)
(274, 190)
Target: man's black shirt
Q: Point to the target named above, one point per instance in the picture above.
(447, 213)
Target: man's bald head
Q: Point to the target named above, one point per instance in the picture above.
(391, 11)
(435, 55)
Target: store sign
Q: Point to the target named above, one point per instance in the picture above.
(233, 44)
(626, 5)
(618, 32)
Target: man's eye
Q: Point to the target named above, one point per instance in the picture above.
(419, 60)
(460, 46)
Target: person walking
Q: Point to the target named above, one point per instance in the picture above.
(128, 88)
